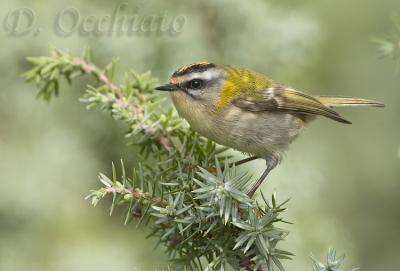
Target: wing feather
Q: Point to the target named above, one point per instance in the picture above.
(279, 98)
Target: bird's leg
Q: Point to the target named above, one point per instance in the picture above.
(259, 182)
(271, 164)
(243, 161)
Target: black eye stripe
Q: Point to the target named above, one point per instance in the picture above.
(196, 83)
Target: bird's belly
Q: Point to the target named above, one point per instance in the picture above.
(261, 134)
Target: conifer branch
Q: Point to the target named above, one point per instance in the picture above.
(185, 187)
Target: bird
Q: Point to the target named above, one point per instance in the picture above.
(247, 111)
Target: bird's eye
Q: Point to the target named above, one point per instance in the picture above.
(196, 84)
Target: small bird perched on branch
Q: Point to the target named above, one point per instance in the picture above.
(247, 111)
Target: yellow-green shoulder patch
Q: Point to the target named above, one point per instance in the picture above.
(240, 81)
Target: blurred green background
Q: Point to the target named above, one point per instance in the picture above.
(343, 181)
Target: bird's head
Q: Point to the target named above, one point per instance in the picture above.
(212, 85)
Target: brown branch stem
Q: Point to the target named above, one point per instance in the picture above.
(139, 195)
(93, 70)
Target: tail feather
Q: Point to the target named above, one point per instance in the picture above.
(337, 101)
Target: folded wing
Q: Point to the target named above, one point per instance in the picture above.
(281, 99)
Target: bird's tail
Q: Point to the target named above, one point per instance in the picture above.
(338, 101)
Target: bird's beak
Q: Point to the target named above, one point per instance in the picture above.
(167, 87)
